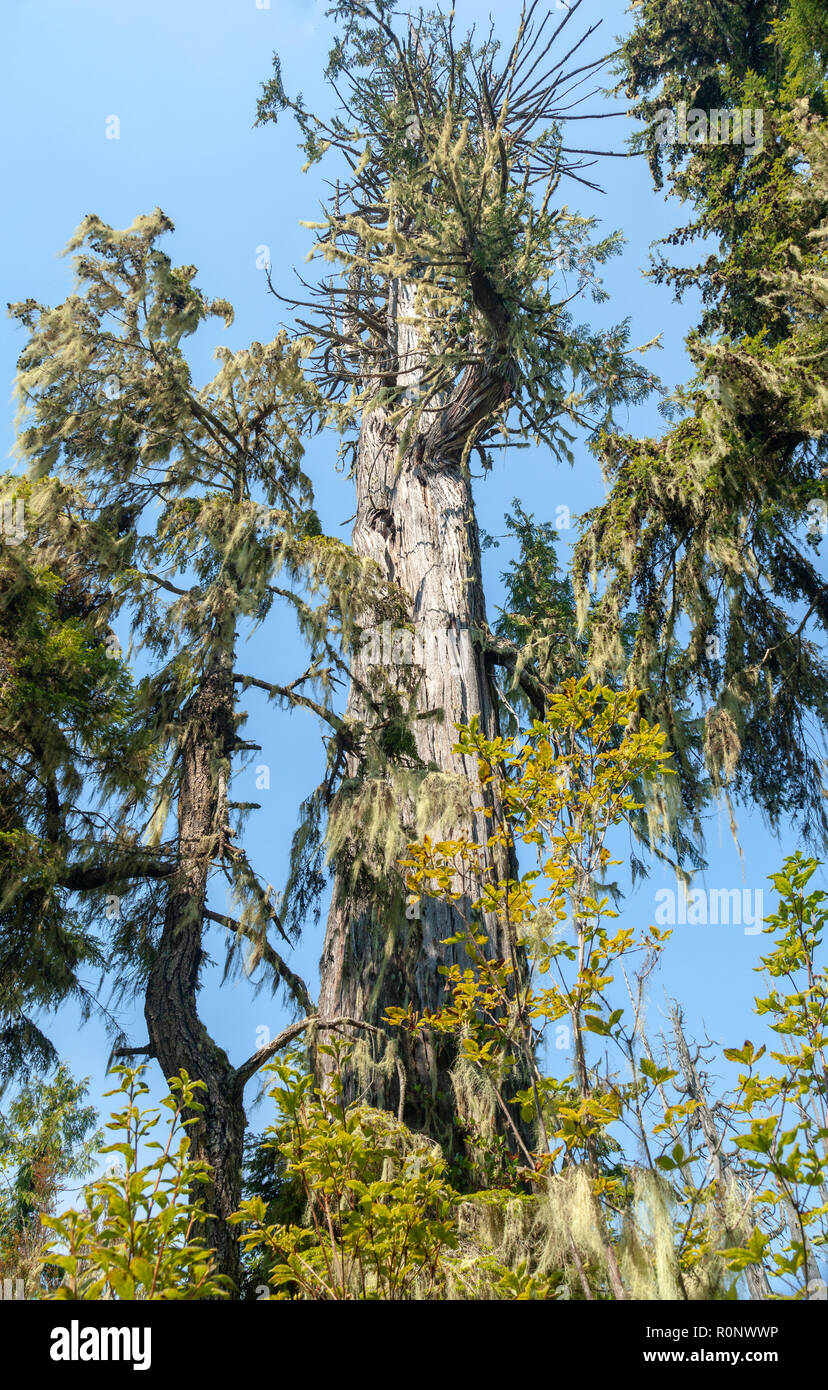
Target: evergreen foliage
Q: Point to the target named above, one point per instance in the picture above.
(446, 303)
(681, 661)
(711, 535)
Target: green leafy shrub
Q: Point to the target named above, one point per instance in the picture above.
(785, 1143)
(382, 1221)
(380, 1212)
(137, 1236)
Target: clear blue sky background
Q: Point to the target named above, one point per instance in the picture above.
(183, 78)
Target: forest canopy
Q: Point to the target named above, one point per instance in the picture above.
(471, 1100)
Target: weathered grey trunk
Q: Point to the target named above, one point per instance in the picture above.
(415, 518)
(178, 1038)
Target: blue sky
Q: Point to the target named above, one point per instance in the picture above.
(182, 79)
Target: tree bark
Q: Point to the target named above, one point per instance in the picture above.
(177, 1036)
(415, 518)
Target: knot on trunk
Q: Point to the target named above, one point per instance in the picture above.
(380, 519)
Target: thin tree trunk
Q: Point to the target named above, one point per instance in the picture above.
(177, 1036)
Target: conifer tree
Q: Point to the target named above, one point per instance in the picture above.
(443, 333)
(68, 720)
(710, 536)
(48, 1138)
(190, 519)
